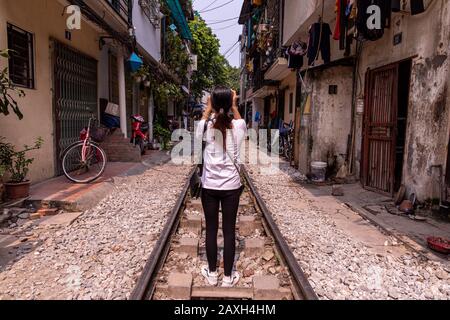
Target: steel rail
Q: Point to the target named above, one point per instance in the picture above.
(146, 283)
(300, 280)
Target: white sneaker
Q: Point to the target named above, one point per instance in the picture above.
(211, 277)
(229, 282)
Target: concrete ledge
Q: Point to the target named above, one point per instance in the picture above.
(407, 241)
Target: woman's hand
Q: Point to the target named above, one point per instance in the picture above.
(235, 98)
(234, 108)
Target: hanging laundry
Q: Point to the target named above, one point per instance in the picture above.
(340, 29)
(354, 11)
(337, 28)
(314, 45)
(295, 53)
(417, 7)
(396, 5)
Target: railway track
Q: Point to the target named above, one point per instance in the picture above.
(269, 270)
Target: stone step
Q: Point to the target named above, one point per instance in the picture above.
(222, 293)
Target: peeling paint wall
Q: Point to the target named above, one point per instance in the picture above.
(331, 114)
(426, 39)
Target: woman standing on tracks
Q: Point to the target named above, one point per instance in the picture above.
(220, 180)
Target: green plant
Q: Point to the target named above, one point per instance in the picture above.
(212, 67)
(143, 72)
(165, 91)
(16, 162)
(7, 88)
(163, 135)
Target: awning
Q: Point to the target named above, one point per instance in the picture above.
(345, 62)
(278, 71)
(180, 19)
(263, 92)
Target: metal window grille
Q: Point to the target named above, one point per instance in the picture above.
(21, 61)
(123, 8)
(151, 8)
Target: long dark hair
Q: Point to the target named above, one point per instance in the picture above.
(222, 101)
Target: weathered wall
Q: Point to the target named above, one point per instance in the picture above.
(289, 83)
(43, 18)
(426, 38)
(331, 114)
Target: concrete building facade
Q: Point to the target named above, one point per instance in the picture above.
(379, 107)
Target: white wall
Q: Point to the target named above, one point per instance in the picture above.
(296, 12)
(147, 36)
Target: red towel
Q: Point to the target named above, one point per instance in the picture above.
(337, 28)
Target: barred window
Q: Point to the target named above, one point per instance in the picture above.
(21, 61)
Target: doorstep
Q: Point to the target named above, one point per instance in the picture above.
(61, 193)
(371, 206)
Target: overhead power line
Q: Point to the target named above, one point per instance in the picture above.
(227, 27)
(218, 7)
(230, 48)
(231, 53)
(221, 21)
(209, 5)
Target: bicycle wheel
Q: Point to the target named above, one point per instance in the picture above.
(89, 170)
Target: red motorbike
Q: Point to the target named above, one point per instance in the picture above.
(140, 132)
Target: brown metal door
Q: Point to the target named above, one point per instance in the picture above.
(380, 127)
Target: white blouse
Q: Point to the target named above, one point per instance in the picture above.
(219, 171)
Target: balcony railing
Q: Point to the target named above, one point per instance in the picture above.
(123, 8)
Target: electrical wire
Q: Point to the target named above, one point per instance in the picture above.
(218, 7)
(221, 21)
(231, 48)
(227, 27)
(209, 5)
(231, 53)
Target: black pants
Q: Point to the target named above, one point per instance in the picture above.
(229, 200)
(324, 45)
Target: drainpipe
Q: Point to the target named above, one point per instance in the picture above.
(122, 92)
(151, 108)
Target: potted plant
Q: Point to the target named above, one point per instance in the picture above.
(142, 74)
(16, 164)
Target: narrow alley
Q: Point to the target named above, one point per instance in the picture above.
(222, 151)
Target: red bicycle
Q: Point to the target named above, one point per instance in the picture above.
(84, 161)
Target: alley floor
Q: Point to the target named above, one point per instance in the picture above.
(97, 254)
(344, 255)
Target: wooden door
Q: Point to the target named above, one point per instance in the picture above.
(380, 129)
